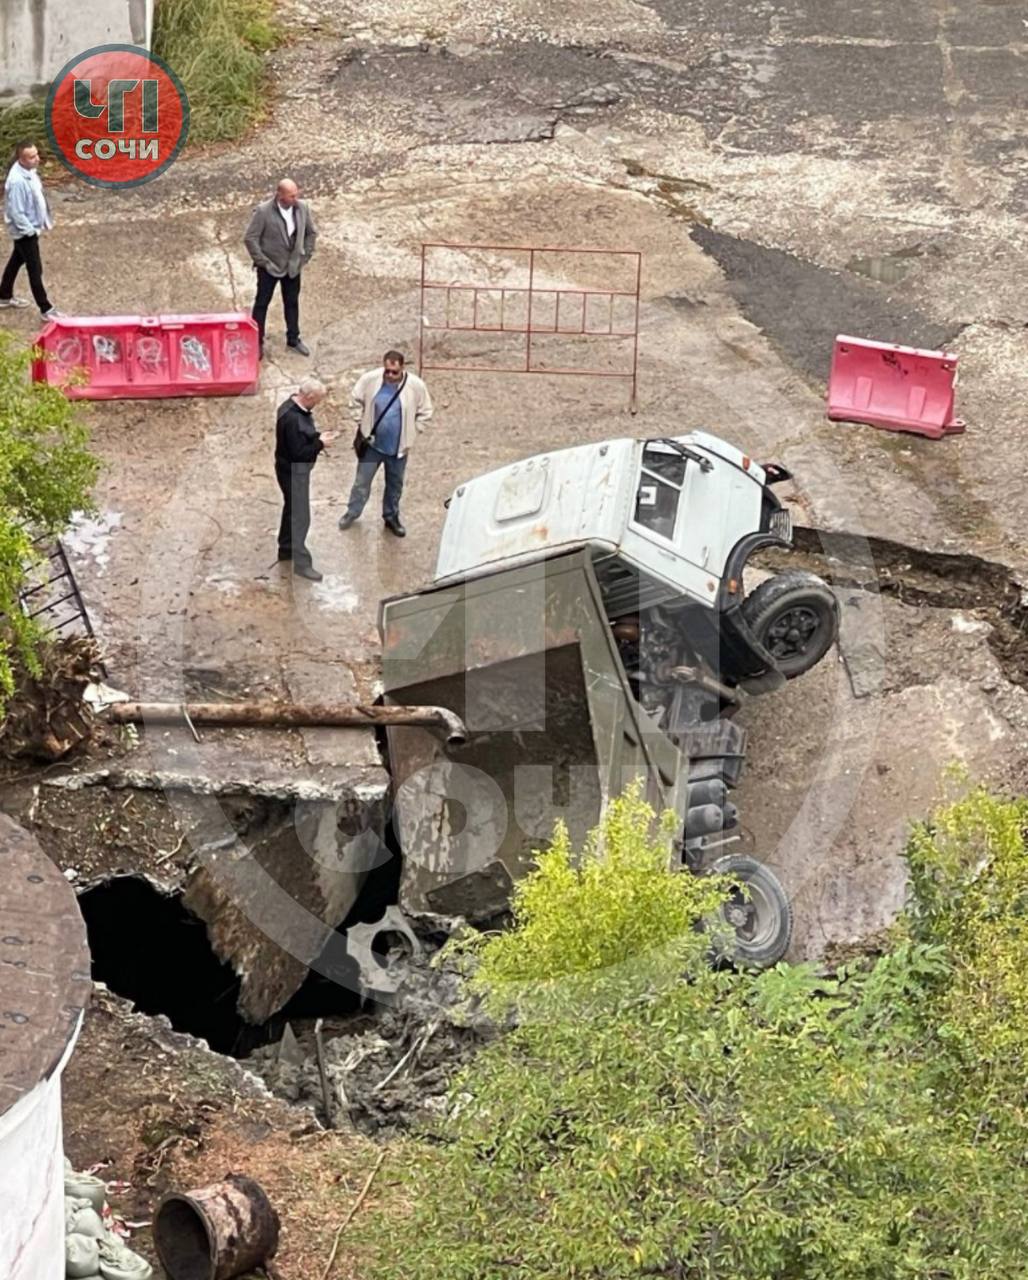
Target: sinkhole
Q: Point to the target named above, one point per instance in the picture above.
(149, 948)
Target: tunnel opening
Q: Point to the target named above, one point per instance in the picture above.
(149, 948)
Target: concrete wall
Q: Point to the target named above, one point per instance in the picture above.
(37, 37)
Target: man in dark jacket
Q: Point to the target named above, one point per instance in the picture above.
(297, 445)
(280, 241)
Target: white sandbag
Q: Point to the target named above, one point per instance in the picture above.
(118, 1262)
(81, 1257)
(85, 1222)
(85, 1187)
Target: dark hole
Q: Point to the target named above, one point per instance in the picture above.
(147, 947)
(182, 1243)
(389, 945)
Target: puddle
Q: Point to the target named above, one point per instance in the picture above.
(335, 594)
(90, 536)
(886, 268)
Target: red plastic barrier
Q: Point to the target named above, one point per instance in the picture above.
(131, 357)
(898, 388)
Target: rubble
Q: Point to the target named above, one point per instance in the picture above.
(394, 1070)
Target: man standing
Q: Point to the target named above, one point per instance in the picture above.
(390, 407)
(297, 445)
(280, 239)
(26, 217)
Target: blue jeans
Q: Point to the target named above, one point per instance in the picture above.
(361, 491)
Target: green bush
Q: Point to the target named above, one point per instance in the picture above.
(707, 1125)
(46, 473)
(22, 122)
(216, 48)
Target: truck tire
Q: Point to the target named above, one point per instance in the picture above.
(795, 617)
(755, 926)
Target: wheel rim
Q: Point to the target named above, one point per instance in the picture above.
(752, 915)
(791, 632)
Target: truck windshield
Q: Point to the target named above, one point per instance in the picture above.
(660, 489)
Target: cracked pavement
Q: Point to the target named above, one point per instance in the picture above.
(786, 170)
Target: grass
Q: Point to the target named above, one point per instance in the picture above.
(217, 48)
(24, 121)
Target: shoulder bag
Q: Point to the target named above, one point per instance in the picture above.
(360, 441)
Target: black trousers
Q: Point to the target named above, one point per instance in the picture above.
(25, 253)
(290, 302)
(294, 479)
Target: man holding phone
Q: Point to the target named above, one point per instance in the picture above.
(390, 407)
(297, 446)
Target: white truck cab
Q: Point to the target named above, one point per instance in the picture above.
(664, 514)
(670, 523)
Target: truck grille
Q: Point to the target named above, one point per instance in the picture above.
(781, 525)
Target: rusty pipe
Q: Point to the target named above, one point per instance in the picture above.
(283, 715)
(217, 1232)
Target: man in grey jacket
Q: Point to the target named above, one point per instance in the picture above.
(26, 217)
(280, 239)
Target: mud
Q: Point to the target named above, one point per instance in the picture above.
(993, 593)
(390, 1072)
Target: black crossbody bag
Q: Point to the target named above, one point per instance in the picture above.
(360, 442)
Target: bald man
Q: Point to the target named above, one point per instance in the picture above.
(280, 239)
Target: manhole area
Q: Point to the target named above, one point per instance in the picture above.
(149, 948)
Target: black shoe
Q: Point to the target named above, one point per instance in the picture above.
(346, 520)
(307, 571)
(300, 346)
(395, 527)
(285, 555)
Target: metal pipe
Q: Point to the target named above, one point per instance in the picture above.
(281, 715)
(216, 1233)
(693, 675)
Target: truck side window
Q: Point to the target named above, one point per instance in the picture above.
(660, 490)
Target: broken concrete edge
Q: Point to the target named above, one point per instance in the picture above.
(158, 1029)
(198, 784)
(837, 541)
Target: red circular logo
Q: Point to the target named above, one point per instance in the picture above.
(117, 115)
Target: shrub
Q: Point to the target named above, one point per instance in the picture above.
(703, 1124)
(46, 473)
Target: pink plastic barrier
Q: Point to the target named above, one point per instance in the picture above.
(131, 357)
(898, 388)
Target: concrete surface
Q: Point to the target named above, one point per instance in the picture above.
(37, 37)
(785, 169)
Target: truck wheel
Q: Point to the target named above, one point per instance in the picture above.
(795, 617)
(758, 911)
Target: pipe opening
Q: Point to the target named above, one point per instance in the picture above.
(183, 1241)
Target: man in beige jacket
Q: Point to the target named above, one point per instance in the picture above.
(390, 407)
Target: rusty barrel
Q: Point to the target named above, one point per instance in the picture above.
(217, 1232)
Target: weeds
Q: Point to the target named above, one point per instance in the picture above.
(216, 48)
(24, 121)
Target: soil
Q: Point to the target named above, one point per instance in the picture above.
(160, 1112)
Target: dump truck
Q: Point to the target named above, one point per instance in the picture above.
(588, 624)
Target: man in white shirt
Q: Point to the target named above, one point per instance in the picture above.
(280, 240)
(26, 217)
